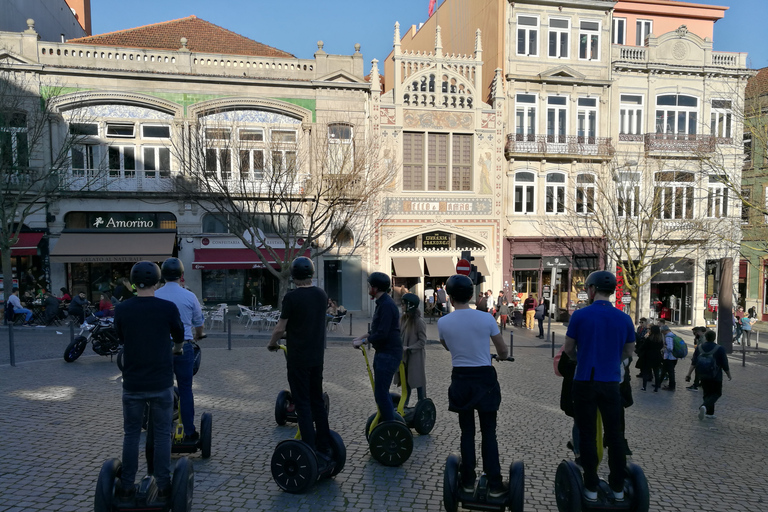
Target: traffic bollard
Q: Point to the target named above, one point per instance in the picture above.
(10, 342)
(511, 343)
(229, 335)
(350, 324)
(553, 345)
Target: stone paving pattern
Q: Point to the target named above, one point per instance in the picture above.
(60, 421)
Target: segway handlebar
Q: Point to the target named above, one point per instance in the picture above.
(495, 357)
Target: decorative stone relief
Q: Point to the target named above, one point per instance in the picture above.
(250, 116)
(437, 120)
(387, 115)
(488, 120)
(119, 111)
(485, 163)
(680, 50)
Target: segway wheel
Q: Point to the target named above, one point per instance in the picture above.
(451, 483)
(516, 500)
(206, 432)
(75, 349)
(105, 485)
(121, 359)
(327, 403)
(424, 415)
(391, 443)
(368, 426)
(339, 453)
(294, 466)
(568, 487)
(281, 406)
(640, 492)
(183, 485)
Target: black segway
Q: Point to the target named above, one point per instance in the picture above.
(285, 409)
(296, 467)
(146, 498)
(390, 442)
(420, 417)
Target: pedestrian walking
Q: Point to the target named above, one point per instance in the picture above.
(413, 330)
(669, 360)
(746, 329)
(649, 357)
(709, 361)
(698, 338)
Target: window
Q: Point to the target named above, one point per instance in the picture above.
(84, 129)
(218, 163)
(720, 125)
(746, 196)
(14, 142)
(448, 161)
(747, 147)
(586, 120)
(644, 29)
(589, 40)
(628, 194)
(555, 193)
(558, 38)
(122, 161)
(525, 117)
(84, 159)
(215, 223)
(676, 114)
(525, 188)
(340, 148)
(585, 193)
(284, 136)
(673, 195)
(121, 130)
(630, 115)
(717, 197)
(619, 35)
(284, 161)
(251, 134)
(527, 35)
(218, 134)
(152, 131)
(157, 162)
(252, 164)
(278, 223)
(557, 117)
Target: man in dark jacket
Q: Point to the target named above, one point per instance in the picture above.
(529, 310)
(146, 325)
(385, 338)
(712, 383)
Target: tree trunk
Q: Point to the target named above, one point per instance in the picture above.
(725, 305)
(7, 273)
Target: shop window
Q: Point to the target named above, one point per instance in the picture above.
(673, 195)
(14, 143)
(525, 192)
(585, 193)
(280, 224)
(408, 243)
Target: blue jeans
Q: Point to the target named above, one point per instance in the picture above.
(183, 366)
(384, 368)
(161, 416)
(23, 311)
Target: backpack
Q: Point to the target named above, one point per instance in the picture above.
(706, 366)
(679, 348)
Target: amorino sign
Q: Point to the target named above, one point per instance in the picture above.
(672, 270)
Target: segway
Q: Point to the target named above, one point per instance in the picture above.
(296, 467)
(569, 486)
(480, 498)
(390, 442)
(285, 409)
(146, 497)
(420, 417)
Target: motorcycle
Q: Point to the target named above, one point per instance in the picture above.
(100, 332)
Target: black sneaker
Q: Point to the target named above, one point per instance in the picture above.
(468, 486)
(191, 438)
(125, 495)
(164, 494)
(324, 463)
(692, 388)
(497, 491)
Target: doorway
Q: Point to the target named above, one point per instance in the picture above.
(672, 302)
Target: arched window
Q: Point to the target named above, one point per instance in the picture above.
(555, 193)
(343, 237)
(525, 192)
(585, 193)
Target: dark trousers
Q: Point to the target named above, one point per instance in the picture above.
(668, 368)
(307, 393)
(713, 389)
(541, 327)
(384, 368)
(489, 446)
(653, 372)
(183, 368)
(588, 397)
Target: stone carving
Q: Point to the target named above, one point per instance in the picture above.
(120, 111)
(682, 31)
(437, 120)
(680, 50)
(250, 116)
(387, 115)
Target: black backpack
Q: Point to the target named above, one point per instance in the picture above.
(706, 366)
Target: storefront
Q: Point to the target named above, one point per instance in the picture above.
(671, 290)
(29, 263)
(99, 248)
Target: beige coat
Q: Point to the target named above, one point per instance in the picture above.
(414, 355)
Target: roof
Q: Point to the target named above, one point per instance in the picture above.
(758, 84)
(202, 37)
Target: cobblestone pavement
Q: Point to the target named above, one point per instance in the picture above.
(60, 421)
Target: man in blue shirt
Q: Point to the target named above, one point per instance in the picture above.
(192, 317)
(385, 338)
(18, 309)
(599, 337)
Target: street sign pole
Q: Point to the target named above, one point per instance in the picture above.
(553, 274)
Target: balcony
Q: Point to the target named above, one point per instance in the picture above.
(680, 142)
(572, 146)
(141, 181)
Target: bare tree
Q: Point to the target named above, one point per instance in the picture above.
(286, 189)
(644, 210)
(35, 147)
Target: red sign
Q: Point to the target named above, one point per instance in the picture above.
(463, 267)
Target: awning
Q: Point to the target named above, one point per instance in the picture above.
(112, 247)
(479, 262)
(407, 266)
(440, 265)
(215, 259)
(26, 245)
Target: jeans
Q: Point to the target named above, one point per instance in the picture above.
(588, 397)
(384, 368)
(307, 394)
(713, 389)
(652, 373)
(668, 368)
(421, 394)
(161, 416)
(23, 311)
(183, 366)
(746, 337)
(541, 327)
(576, 439)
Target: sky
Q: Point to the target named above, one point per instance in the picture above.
(295, 26)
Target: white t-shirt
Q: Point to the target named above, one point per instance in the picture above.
(467, 334)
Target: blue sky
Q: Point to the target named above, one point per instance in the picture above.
(295, 26)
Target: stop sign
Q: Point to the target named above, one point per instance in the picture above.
(463, 267)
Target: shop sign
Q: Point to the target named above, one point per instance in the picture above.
(582, 296)
(233, 242)
(713, 301)
(437, 206)
(436, 240)
(123, 221)
(546, 291)
(627, 298)
(672, 270)
(556, 262)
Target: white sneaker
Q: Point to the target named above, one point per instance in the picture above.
(702, 412)
(710, 416)
(590, 495)
(618, 496)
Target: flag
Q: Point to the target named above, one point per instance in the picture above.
(432, 7)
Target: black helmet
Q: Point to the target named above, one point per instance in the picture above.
(460, 288)
(172, 269)
(145, 274)
(380, 281)
(302, 268)
(602, 280)
(411, 301)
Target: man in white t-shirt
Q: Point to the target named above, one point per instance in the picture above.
(474, 385)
